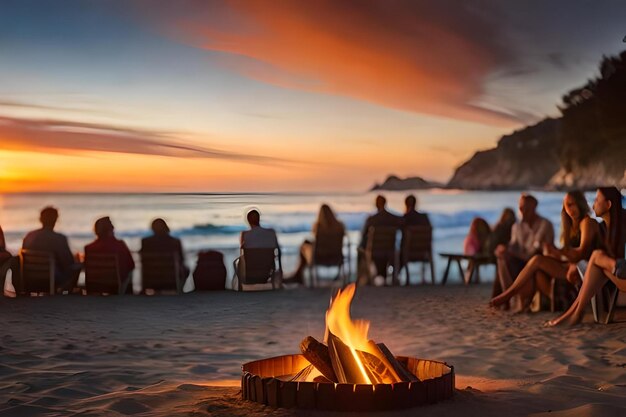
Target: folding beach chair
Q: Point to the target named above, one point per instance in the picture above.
(37, 272)
(417, 247)
(328, 252)
(380, 250)
(161, 271)
(255, 269)
(102, 274)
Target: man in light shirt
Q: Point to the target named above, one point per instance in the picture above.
(261, 237)
(527, 239)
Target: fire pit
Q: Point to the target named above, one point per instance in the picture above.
(348, 373)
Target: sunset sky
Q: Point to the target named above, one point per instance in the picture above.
(276, 95)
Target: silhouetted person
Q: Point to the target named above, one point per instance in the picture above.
(260, 237)
(382, 218)
(47, 240)
(501, 233)
(412, 217)
(7, 261)
(326, 222)
(107, 243)
(5, 255)
(161, 242)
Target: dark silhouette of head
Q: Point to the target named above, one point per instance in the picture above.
(507, 218)
(48, 217)
(254, 218)
(103, 227)
(159, 227)
(326, 219)
(381, 202)
(410, 202)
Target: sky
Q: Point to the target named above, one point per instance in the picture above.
(303, 96)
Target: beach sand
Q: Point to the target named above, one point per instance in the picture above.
(182, 355)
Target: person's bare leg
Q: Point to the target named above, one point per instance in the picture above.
(543, 283)
(504, 277)
(538, 262)
(525, 294)
(603, 260)
(593, 282)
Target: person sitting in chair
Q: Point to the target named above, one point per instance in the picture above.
(382, 218)
(162, 242)
(327, 222)
(527, 239)
(412, 217)
(260, 237)
(67, 269)
(107, 243)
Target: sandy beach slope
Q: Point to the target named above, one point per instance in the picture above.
(170, 355)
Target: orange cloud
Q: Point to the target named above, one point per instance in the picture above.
(417, 56)
(47, 135)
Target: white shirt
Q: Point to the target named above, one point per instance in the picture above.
(526, 240)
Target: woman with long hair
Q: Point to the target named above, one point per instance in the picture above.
(476, 241)
(580, 235)
(605, 264)
(326, 222)
(501, 233)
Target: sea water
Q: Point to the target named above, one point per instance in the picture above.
(214, 220)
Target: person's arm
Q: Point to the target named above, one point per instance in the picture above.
(64, 254)
(279, 254)
(366, 227)
(181, 253)
(241, 239)
(514, 248)
(546, 232)
(588, 234)
(127, 257)
(2, 241)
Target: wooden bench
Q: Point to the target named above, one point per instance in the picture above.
(472, 272)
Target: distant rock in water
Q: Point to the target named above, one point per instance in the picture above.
(393, 183)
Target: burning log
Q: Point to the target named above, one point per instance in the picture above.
(400, 369)
(364, 367)
(317, 353)
(345, 362)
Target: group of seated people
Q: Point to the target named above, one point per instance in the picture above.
(69, 266)
(327, 222)
(591, 253)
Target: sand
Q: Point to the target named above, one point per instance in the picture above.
(171, 355)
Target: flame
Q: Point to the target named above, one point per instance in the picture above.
(353, 333)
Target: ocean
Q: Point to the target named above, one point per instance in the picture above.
(214, 220)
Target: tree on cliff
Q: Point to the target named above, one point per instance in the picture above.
(593, 127)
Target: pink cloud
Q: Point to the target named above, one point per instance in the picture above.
(416, 56)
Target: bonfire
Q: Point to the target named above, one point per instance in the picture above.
(346, 371)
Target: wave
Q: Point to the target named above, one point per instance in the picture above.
(445, 224)
(302, 222)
